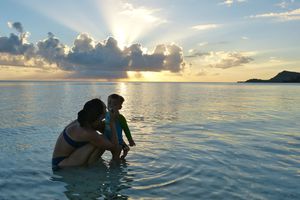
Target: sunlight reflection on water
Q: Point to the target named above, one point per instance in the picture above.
(208, 141)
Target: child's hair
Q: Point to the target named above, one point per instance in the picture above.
(116, 97)
(91, 111)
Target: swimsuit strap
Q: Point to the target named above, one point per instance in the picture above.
(72, 142)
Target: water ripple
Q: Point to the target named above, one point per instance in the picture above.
(194, 141)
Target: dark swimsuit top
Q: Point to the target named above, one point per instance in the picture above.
(72, 142)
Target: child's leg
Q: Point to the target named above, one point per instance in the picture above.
(125, 149)
(116, 151)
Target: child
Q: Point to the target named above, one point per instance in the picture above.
(114, 103)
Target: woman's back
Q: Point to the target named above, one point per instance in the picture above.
(72, 137)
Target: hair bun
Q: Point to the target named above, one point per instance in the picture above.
(81, 117)
(90, 112)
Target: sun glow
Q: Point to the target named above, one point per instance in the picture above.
(120, 36)
(141, 76)
(146, 76)
(127, 23)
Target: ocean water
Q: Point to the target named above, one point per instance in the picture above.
(194, 141)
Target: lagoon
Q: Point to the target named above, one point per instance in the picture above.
(194, 141)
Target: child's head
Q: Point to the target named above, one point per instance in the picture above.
(115, 101)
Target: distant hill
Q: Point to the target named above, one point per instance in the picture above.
(282, 77)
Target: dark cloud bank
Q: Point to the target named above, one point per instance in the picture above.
(91, 59)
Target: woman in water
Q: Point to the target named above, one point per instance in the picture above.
(80, 142)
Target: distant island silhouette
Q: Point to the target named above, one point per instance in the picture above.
(282, 77)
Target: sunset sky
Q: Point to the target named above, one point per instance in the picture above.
(142, 40)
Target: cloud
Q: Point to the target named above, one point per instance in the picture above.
(197, 54)
(14, 45)
(201, 73)
(285, 4)
(108, 57)
(105, 56)
(141, 14)
(281, 16)
(92, 74)
(221, 59)
(128, 22)
(163, 58)
(226, 60)
(201, 44)
(142, 62)
(17, 60)
(230, 2)
(19, 28)
(51, 49)
(203, 27)
(275, 60)
(7, 59)
(138, 75)
(174, 59)
(16, 25)
(88, 58)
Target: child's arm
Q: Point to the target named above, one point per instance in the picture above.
(125, 145)
(124, 126)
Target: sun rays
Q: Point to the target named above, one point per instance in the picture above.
(131, 40)
(128, 23)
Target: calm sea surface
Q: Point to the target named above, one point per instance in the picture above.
(194, 141)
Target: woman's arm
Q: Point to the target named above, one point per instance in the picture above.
(100, 141)
(101, 127)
